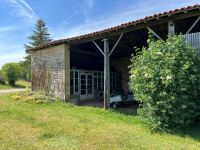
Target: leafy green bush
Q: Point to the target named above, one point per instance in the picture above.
(165, 79)
(39, 97)
(11, 71)
(2, 78)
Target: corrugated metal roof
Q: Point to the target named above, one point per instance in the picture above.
(124, 25)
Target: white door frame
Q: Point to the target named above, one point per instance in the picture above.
(86, 95)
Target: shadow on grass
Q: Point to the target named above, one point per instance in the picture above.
(17, 86)
(127, 109)
(192, 132)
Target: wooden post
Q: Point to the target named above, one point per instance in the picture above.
(107, 53)
(171, 27)
(106, 74)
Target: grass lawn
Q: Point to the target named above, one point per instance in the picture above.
(19, 84)
(63, 126)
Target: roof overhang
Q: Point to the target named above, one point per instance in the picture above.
(155, 19)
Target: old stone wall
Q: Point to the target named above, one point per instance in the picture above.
(48, 70)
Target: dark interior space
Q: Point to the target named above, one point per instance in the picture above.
(183, 25)
(87, 56)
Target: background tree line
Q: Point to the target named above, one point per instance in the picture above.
(11, 72)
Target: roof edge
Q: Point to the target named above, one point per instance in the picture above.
(115, 28)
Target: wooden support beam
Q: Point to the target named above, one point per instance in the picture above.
(115, 44)
(107, 53)
(171, 27)
(106, 74)
(193, 25)
(154, 33)
(121, 45)
(98, 47)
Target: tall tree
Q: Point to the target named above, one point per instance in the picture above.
(40, 36)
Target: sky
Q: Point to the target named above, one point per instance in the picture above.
(67, 18)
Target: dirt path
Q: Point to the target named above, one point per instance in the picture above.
(11, 91)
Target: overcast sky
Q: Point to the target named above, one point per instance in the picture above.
(66, 18)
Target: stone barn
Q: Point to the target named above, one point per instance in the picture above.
(95, 64)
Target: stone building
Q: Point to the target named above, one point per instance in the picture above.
(76, 66)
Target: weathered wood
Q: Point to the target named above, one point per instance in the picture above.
(107, 53)
(154, 33)
(171, 27)
(193, 25)
(98, 47)
(106, 74)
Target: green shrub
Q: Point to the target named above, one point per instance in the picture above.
(165, 79)
(2, 78)
(11, 71)
(39, 97)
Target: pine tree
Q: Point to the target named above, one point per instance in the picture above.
(40, 36)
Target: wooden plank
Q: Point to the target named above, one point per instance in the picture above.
(154, 33)
(171, 27)
(193, 25)
(98, 47)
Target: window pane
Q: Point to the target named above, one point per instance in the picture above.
(76, 74)
(71, 74)
(76, 82)
(89, 87)
(76, 85)
(71, 82)
(89, 77)
(89, 81)
(83, 81)
(71, 90)
(95, 73)
(89, 91)
(83, 92)
(76, 89)
(83, 77)
(83, 87)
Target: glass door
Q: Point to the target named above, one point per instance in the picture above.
(86, 85)
(89, 85)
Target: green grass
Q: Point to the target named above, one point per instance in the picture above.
(19, 84)
(64, 126)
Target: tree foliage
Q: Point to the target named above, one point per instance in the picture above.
(40, 36)
(26, 68)
(165, 79)
(2, 78)
(11, 72)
